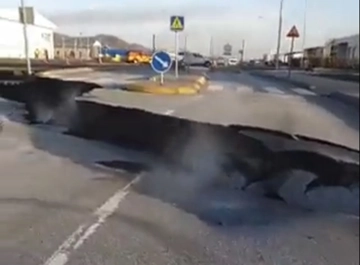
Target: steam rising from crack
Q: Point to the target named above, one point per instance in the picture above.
(197, 166)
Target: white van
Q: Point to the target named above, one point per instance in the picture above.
(233, 61)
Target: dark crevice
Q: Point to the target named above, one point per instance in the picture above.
(167, 136)
(128, 166)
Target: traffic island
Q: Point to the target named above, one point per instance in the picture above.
(188, 85)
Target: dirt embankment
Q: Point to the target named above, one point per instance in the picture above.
(182, 142)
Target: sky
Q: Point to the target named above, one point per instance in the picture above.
(224, 21)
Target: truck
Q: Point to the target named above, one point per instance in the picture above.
(138, 57)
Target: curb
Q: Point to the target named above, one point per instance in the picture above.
(192, 89)
(61, 72)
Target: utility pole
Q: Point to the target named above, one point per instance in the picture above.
(26, 40)
(279, 35)
(63, 45)
(88, 47)
(211, 47)
(304, 34)
(153, 43)
(185, 43)
(81, 45)
(242, 51)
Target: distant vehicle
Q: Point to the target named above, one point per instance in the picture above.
(233, 61)
(221, 62)
(194, 59)
(113, 54)
(172, 55)
(138, 57)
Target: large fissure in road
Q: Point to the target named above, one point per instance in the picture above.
(256, 155)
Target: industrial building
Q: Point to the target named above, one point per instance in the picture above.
(346, 48)
(335, 53)
(40, 33)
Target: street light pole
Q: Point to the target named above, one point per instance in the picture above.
(304, 34)
(185, 43)
(26, 41)
(242, 51)
(211, 46)
(279, 35)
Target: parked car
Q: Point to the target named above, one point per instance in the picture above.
(233, 61)
(221, 62)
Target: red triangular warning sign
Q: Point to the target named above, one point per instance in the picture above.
(293, 33)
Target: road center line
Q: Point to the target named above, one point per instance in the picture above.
(85, 230)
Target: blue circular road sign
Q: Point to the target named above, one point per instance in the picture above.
(161, 62)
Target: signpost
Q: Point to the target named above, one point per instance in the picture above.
(293, 34)
(161, 63)
(227, 50)
(177, 24)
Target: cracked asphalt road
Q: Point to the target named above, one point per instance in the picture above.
(58, 207)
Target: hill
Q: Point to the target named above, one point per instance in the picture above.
(61, 40)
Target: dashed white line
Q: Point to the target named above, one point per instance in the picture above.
(84, 231)
(273, 90)
(244, 89)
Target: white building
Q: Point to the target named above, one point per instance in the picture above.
(344, 48)
(40, 34)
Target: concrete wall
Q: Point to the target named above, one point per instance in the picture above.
(72, 53)
(314, 52)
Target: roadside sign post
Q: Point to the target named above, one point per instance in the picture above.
(177, 24)
(227, 50)
(293, 34)
(161, 63)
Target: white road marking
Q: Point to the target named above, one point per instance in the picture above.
(11, 82)
(215, 87)
(84, 231)
(273, 90)
(169, 112)
(172, 111)
(244, 89)
(304, 92)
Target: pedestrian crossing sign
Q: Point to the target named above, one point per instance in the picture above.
(177, 23)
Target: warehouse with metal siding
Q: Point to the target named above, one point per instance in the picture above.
(344, 48)
(40, 34)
